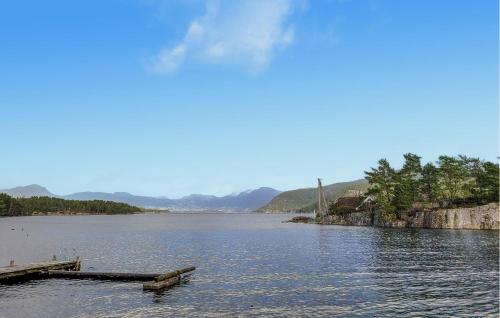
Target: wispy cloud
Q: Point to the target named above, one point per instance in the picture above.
(239, 32)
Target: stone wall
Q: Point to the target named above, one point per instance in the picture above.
(484, 217)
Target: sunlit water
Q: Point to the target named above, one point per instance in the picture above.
(252, 265)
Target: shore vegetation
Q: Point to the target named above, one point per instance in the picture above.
(449, 182)
(10, 206)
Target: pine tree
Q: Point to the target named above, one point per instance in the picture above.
(382, 184)
(452, 178)
(4, 204)
(430, 182)
(488, 181)
(407, 188)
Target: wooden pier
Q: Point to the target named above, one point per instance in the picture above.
(71, 270)
(19, 272)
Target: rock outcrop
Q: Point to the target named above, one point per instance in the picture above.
(355, 218)
(484, 217)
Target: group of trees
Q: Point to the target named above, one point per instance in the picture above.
(10, 206)
(452, 181)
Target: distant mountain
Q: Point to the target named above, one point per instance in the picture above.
(304, 200)
(244, 201)
(32, 190)
(247, 200)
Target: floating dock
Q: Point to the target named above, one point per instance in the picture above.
(71, 270)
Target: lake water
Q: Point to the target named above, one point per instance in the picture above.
(252, 265)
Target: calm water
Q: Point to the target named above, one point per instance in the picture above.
(252, 265)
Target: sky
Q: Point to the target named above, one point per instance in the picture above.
(172, 97)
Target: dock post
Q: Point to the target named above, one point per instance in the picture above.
(161, 284)
(11, 264)
(78, 263)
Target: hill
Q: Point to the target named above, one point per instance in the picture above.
(32, 190)
(304, 200)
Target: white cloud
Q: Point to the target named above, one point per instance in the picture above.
(168, 61)
(242, 32)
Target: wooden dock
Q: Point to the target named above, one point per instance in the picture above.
(71, 270)
(19, 272)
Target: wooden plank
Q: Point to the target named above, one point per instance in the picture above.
(102, 275)
(156, 285)
(117, 276)
(174, 273)
(167, 280)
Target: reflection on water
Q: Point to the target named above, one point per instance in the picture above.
(252, 265)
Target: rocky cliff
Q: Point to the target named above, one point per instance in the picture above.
(484, 217)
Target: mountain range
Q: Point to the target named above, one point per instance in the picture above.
(262, 199)
(245, 201)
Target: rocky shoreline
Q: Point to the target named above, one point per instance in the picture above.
(483, 217)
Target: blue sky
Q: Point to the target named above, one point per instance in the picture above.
(176, 97)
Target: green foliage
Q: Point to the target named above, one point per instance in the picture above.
(408, 183)
(382, 182)
(455, 180)
(430, 183)
(490, 181)
(487, 182)
(27, 206)
(4, 204)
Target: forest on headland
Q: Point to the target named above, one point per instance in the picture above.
(10, 206)
(450, 182)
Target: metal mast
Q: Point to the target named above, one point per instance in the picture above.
(322, 206)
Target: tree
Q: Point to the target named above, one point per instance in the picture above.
(27, 206)
(4, 204)
(382, 184)
(488, 182)
(430, 182)
(452, 177)
(455, 180)
(407, 188)
(473, 171)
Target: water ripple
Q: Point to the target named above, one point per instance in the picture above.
(252, 265)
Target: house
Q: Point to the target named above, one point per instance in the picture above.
(354, 200)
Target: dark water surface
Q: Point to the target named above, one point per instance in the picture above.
(252, 265)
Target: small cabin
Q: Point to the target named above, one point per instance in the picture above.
(353, 200)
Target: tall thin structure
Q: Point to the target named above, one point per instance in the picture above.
(322, 206)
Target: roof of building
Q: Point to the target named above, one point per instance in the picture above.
(353, 202)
